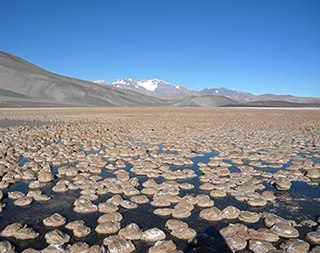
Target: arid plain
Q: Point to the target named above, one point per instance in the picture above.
(159, 180)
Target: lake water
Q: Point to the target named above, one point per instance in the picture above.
(300, 203)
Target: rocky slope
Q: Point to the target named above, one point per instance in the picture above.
(24, 84)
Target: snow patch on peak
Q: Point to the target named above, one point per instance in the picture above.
(217, 91)
(150, 85)
(178, 87)
(124, 81)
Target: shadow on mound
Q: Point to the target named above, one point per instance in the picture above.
(209, 242)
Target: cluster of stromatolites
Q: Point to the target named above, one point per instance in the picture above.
(158, 180)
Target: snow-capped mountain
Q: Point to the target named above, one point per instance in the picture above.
(148, 85)
(163, 89)
(153, 87)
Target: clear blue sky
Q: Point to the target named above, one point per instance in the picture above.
(259, 46)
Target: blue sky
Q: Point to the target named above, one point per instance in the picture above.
(259, 46)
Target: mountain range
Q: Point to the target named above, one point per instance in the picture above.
(23, 84)
(165, 90)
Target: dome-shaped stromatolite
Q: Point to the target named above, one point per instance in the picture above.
(97, 249)
(108, 228)
(82, 247)
(163, 211)
(206, 187)
(111, 217)
(24, 201)
(160, 202)
(264, 234)
(38, 195)
(140, 199)
(184, 233)
(107, 208)
(236, 236)
(283, 184)
(314, 237)
(173, 224)
(11, 229)
(6, 247)
(211, 214)
(19, 231)
(270, 219)
(257, 202)
(61, 186)
(153, 235)
(117, 244)
(230, 213)
(128, 204)
(25, 233)
(56, 237)
(217, 194)
(186, 186)
(78, 247)
(268, 195)
(55, 220)
(81, 231)
(31, 250)
(249, 217)
(73, 224)
(181, 212)
(79, 228)
(45, 176)
(204, 201)
(163, 247)
(131, 232)
(285, 230)
(54, 248)
(236, 242)
(36, 184)
(295, 246)
(313, 173)
(258, 246)
(84, 206)
(15, 195)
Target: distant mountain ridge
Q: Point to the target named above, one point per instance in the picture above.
(162, 89)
